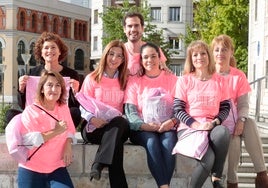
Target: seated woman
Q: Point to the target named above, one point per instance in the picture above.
(148, 107)
(105, 86)
(202, 103)
(47, 165)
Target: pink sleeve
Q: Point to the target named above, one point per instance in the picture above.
(131, 91)
(87, 86)
(180, 91)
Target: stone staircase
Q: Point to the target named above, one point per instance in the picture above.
(246, 172)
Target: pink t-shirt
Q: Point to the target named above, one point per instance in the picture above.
(107, 91)
(138, 87)
(134, 61)
(238, 86)
(50, 156)
(202, 97)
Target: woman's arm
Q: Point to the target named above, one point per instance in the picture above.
(180, 112)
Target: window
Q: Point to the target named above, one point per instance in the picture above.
(32, 61)
(156, 14)
(174, 14)
(44, 24)
(21, 50)
(1, 53)
(79, 60)
(175, 43)
(95, 43)
(55, 25)
(34, 22)
(177, 69)
(96, 15)
(65, 28)
(22, 21)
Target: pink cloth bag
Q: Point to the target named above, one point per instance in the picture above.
(99, 109)
(192, 143)
(14, 140)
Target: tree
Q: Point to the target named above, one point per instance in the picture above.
(112, 18)
(215, 17)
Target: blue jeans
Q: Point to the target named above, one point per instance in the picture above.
(59, 178)
(158, 147)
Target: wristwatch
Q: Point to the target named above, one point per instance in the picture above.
(243, 119)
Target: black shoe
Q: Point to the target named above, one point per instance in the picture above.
(96, 171)
(217, 184)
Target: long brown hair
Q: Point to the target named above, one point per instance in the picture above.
(122, 69)
(227, 42)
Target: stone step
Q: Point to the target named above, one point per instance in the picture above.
(246, 158)
(246, 178)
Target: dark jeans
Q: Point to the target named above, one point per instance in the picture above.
(111, 139)
(158, 147)
(59, 178)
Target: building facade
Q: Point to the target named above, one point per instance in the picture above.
(22, 22)
(258, 54)
(172, 16)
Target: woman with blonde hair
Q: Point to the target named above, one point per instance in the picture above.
(238, 122)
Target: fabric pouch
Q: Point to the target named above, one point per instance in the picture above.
(192, 143)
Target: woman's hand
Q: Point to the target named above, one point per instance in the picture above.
(67, 152)
(60, 127)
(74, 85)
(98, 122)
(153, 127)
(22, 83)
(206, 126)
(166, 126)
(239, 128)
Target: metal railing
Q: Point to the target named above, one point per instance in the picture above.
(258, 89)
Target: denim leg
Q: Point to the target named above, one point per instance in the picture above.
(152, 142)
(31, 179)
(168, 141)
(60, 178)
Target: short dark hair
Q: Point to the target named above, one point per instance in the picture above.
(133, 14)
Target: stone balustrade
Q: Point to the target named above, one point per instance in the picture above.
(137, 172)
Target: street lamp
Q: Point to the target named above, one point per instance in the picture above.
(2, 70)
(26, 58)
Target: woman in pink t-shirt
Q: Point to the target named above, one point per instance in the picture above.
(149, 109)
(47, 165)
(201, 103)
(104, 88)
(241, 126)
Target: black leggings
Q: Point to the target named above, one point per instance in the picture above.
(214, 159)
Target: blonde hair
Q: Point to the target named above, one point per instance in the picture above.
(227, 42)
(198, 44)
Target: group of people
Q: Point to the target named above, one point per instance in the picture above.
(143, 101)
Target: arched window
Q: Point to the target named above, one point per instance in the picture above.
(1, 53)
(22, 21)
(65, 28)
(32, 60)
(34, 22)
(21, 50)
(55, 25)
(79, 60)
(44, 24)
(75, 31)
(84, 32)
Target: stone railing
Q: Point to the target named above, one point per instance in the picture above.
(137, 172)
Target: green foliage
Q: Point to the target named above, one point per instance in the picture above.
(3, 111)
(215, 17)
(112, 18)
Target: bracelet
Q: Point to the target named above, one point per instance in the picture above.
(173, 121)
